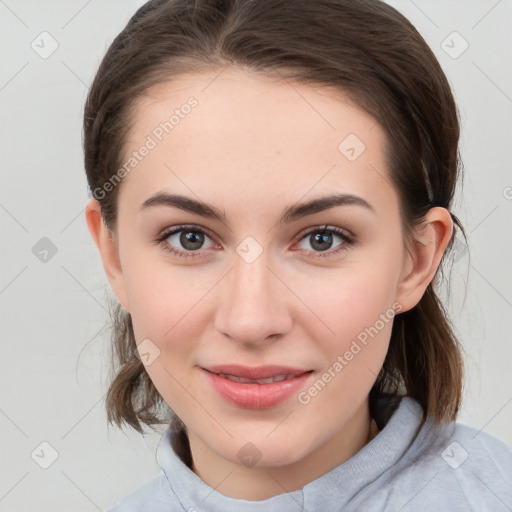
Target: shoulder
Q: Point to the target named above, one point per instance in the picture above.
(469, 453)
(155, 495)
(456, 466)
(481, 451)
(481, 465)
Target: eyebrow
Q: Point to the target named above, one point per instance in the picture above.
(290, 214)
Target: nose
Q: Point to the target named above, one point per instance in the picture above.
(252, 303)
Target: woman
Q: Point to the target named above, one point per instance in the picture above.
(272, 183)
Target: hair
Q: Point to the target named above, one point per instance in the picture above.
(366, 50)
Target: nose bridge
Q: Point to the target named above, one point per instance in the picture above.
(251, 307)
(251, 278)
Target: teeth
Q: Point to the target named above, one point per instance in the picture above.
(277, 378)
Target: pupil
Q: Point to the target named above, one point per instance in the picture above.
(322, 238)
(193, 238)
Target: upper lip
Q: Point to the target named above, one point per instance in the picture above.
(255, 372)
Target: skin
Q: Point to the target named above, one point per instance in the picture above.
(251, 147)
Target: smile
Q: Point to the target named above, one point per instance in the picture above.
(257, 388)
(277, 378)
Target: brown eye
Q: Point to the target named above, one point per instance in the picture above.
(184, 241)
(191, 240)
(322, 239)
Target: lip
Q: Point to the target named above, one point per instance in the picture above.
(256, 395)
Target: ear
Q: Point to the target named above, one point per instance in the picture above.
(107, 246)
(424, 256)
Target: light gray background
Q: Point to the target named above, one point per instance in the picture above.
(53, 350)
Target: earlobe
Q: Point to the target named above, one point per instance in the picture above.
(424, 256)
(107, 247)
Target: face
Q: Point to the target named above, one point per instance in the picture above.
(254, 279)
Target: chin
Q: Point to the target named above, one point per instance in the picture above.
(261, 451)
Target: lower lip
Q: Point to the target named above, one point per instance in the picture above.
(257, 396)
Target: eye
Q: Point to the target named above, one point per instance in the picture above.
(189, 241)
(321, 240)
(184, 241)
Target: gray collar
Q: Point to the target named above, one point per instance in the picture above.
(329, 492)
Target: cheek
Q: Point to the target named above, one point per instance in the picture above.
(166, 309)
(345, 304)
(359, 316)
(166, 303)
(352, 330)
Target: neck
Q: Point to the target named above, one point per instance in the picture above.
(259, 483)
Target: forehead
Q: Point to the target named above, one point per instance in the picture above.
(251, 131)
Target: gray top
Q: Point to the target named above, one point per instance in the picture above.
(404, 468)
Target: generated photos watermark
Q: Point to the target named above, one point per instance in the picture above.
(357, 345)
(152, 140)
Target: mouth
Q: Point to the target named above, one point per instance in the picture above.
(258, 374)
(269, 380)
(258, 387)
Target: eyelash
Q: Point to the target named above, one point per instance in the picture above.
(161, 240)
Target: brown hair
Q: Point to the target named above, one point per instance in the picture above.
(369, 52)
